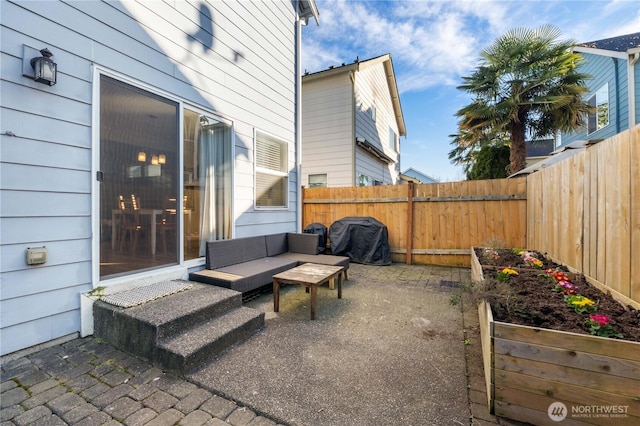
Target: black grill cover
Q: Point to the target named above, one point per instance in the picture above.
(363, 239)
(319, 229)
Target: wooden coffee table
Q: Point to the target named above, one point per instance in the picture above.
(310, 275)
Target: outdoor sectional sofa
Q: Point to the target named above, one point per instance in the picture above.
(245, 264)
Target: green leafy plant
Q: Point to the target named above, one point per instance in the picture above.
(506, 273)
(600, 325)
(580, 303)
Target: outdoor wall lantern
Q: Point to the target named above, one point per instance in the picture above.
(45, 70)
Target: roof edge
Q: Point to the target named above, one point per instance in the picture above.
(308, 9)
(395, 95)
(600, 52)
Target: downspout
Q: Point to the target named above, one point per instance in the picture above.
(634, 56)
(298, 128)
(617, 91)
(352, 77)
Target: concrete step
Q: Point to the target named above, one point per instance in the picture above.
(140, 330)
(194, 347)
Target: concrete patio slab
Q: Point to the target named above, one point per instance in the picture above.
(391, 351)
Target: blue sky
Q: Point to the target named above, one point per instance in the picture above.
(434, 43)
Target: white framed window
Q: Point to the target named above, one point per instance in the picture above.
(363, 180)
(600, 117)
(272, 175)
(318, 181)
(393, 140)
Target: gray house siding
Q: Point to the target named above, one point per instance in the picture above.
(234, 59)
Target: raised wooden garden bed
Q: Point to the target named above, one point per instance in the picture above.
(544, 376)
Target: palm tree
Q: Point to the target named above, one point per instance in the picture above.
(526, 84)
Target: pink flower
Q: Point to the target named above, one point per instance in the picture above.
(601, 320)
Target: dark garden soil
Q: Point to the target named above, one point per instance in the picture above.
(529, 299)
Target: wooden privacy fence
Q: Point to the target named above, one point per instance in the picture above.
(431, 223)
(584, 212)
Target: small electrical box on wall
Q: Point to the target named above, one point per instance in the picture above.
(37, 255)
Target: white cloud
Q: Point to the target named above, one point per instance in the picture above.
(432, 40)
(434, 43)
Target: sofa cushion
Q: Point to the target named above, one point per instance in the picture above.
(214, 277)
(223, 253)
(244, 276)
(255, 273)
(276, 244)
(323, 259)
(302, 243)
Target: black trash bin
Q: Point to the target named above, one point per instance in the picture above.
(364, 239)
(321, 230)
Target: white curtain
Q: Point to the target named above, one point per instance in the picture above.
(214, 149)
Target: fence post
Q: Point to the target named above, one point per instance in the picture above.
(408, 259)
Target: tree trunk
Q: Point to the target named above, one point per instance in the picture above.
(518, 153)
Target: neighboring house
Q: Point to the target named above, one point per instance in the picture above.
(351, 125)
(418, 175)
(561, 153)
(614, 87)
(539, 149)
(169, 124)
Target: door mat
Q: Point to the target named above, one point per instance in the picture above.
(140, 295)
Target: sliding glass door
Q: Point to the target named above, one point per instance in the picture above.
(145, 219)
(139, 179)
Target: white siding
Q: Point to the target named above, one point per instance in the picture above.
(371, 88)
(239, 64)
(327, 129)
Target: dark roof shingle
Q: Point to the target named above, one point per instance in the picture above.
(617, 44)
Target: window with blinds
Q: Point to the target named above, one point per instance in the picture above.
(272, 177)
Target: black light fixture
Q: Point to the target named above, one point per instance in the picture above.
(44, 69)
